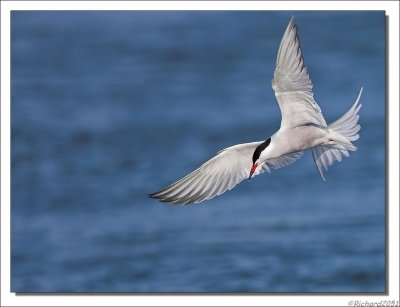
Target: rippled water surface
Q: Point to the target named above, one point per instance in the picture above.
(110, 106)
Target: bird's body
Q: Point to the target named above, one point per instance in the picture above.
(294, 139)
(302, 127)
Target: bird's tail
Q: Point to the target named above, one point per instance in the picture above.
(341, 132)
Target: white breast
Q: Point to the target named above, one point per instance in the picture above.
(297, 139)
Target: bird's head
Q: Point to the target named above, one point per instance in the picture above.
(256, 156)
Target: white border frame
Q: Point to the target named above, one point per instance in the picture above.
(10, 299)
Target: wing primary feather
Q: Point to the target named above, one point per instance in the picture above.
(171, 186)
(214, 177)
(189, 190)
(292, 84)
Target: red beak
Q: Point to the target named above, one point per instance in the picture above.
(253, 168)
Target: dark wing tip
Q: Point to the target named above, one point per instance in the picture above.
(154, 195)
(292, 23)
(162, 198)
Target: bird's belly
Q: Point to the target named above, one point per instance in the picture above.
(302, 138)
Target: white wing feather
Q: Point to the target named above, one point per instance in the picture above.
(219, 174)
(292, 84)
(284, 160)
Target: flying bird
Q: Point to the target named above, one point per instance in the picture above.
(302, 127)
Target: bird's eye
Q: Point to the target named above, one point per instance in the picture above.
(256, 154)
(259, 149)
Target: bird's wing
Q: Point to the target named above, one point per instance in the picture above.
(229, 167)
(292, 84)
(284, 160)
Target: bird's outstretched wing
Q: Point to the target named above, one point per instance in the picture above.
(219, 174)
(292, 84)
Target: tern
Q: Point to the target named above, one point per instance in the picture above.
(302, 127)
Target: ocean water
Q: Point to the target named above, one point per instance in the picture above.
(110, 106)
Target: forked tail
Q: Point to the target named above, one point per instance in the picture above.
(343, 132)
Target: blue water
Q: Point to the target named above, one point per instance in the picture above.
(110, 106)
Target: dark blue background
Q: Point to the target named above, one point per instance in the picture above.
(110, 106)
